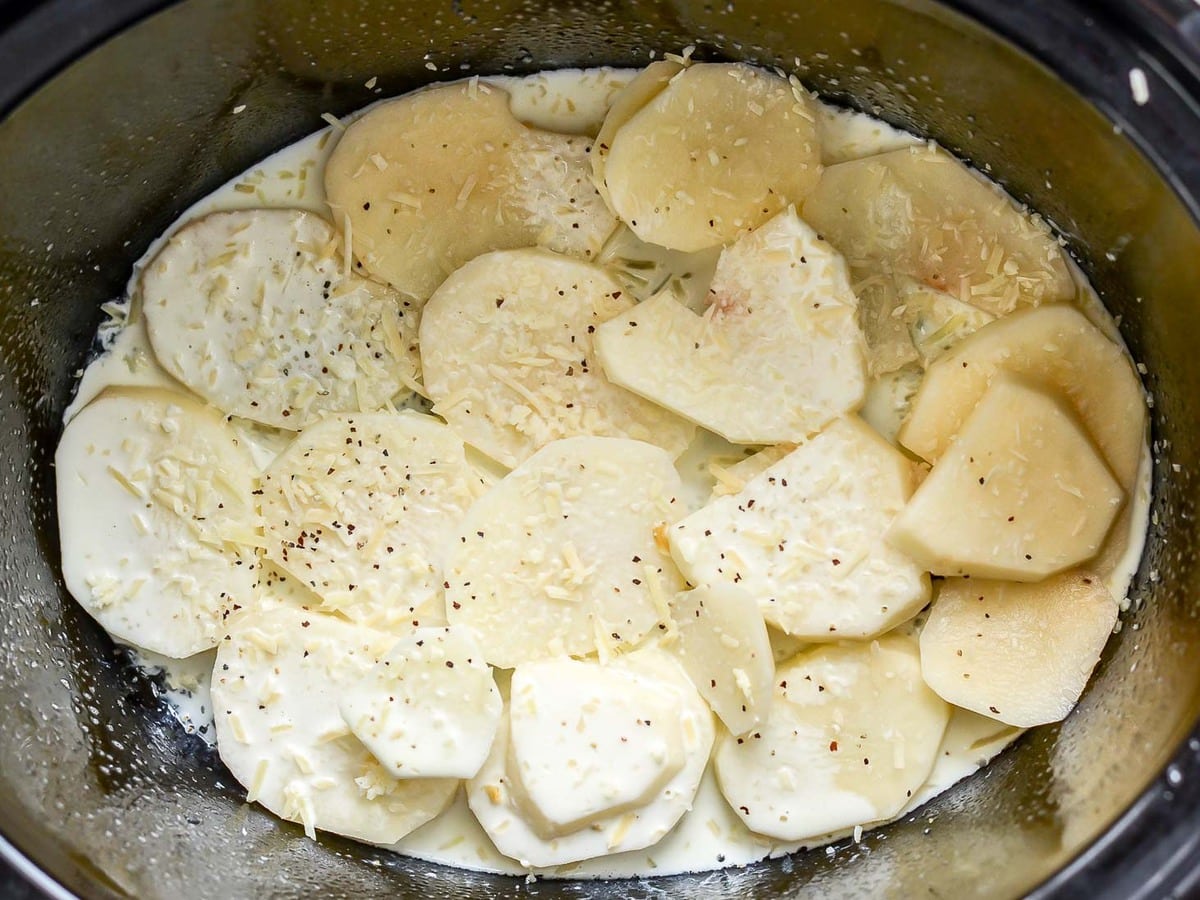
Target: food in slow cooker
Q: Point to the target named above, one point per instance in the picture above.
(563, 468)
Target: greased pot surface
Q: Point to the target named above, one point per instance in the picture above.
(100, 788)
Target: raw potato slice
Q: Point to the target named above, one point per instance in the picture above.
(853, 733)
(275, 693)
(506, 345)
(492, 799)
(722, 642)
(362, 510)
(920, 212)
(776, 356)
(718, 151)
(805, 539)
(971, 741)
(254, 311)
(434, 179)
(1055, 345)
(563, 556)
(1021, 494)
(156, 518)
(429, 709)
(589, 741)
(1019, 653)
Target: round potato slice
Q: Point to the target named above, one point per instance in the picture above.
(853, 733)
(506, 345)
(718, 151)
(1019, 653)
(275, 692)
(491, 793)
(254, 311)
(362, 508)
(566, 555)
(157, 518)
(434, 179)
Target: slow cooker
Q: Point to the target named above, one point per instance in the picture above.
(119, 114)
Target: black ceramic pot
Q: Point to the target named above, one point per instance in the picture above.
(118, 116)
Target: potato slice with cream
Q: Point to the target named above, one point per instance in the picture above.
(566, 711)
(433, 179)
(1055, 345)
(920, 212)
(563, 556)
(852, 734)
(362, 510)
(157, 518)
(805, 538)
(721, 639)
(719, 150)
(275, 693)
(776, 356)
(1021, 493)
(429, 708)
(506, 345)
(256, 311)
(1019, 653)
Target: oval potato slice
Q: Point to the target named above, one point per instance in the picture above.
(718, 151)
(506, 345)
(254, 311)
(434, 179)
(362, 510)
(565, 556)
(275, 692)
(157, 518)
(1019, 653)
(852, 734)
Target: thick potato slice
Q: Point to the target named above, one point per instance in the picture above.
(506, 345)
(853, 733)
(157, 518)
(492, 794)
(776, 356)
(723, 644)
(920, 212)
(254, 311)
(362, 509)
(562, 557)
(805, 538)
(434, 179)
(429, 708)
(1055, 345)
(1019, 653)
(275, 692)
(719, 150)
(1021, 494)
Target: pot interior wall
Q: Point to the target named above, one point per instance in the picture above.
(102, 789)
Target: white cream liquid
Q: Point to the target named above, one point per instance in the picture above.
(711, 835)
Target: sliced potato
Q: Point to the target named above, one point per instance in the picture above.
(254, 311)
(971, 741)
(562, 557)
(719, 150)
(722, 642)
(804, 539)
(275, 692)
(852, 734)
(434, 179)
(492, 797)
(776, 356)
(362, 509)
(1055, 345)
(920, 212)
(1019, 653)
(1021, 494)
(157, 518)
(506, 344)
(429, 708)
